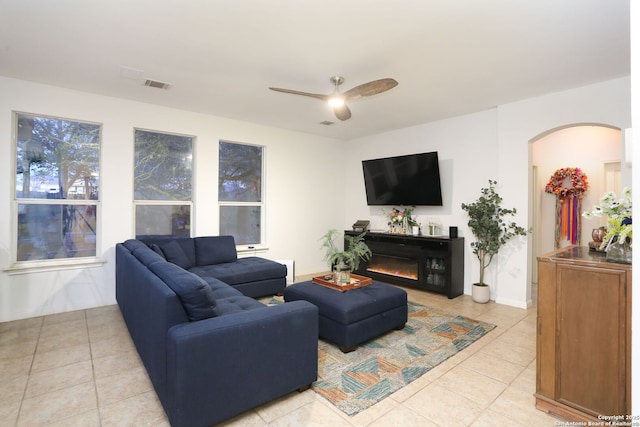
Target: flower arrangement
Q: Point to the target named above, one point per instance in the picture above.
(619, 223)
(578, 179)
(397, 217)
(401, 221)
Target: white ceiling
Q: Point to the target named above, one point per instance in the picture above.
(451, 57)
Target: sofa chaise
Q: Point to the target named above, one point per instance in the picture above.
(210, 351)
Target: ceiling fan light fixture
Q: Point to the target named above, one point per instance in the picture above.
(336, 100)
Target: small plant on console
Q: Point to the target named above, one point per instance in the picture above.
(345, 259)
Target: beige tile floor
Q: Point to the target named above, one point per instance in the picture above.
(81, 369)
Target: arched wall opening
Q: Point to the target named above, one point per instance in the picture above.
(594, 148)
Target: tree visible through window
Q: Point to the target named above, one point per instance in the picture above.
(163, 184)
(240, 192)
(57, 191)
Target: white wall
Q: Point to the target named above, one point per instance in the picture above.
(295, 186)
(491, 144)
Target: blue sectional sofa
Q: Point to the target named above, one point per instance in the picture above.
(210, 351)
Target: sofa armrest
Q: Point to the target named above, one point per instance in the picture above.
(222, 366)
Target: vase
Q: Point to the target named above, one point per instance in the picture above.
(619, 252)
(341, 275)
(597, 234)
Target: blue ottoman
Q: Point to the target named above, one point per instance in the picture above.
(351, 318)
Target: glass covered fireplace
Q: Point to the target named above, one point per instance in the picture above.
(406, 268)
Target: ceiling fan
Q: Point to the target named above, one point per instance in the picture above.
(338, 100)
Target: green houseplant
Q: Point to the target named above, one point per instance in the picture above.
(491, 230)
(343, 261)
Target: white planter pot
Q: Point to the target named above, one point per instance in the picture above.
(480, 294)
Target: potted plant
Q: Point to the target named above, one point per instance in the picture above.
(343, 262)
(488, 225)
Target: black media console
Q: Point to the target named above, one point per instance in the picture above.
(425, 262)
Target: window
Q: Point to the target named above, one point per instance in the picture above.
(163, 184)
(240, 192)
(56, 187)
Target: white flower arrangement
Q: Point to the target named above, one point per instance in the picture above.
(619, 222)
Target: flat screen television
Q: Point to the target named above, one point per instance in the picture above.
(411, 180)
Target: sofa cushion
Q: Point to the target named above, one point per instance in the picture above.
(215, 250)
(250, 269)
(186, 243)
(195, 294)
(155, 248)
(174, 253)
(221, 289)
(132, 244)
(146, 256)
(236, 304)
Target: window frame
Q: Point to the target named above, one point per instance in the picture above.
(28, 266)
(249, 247)
(159, 202)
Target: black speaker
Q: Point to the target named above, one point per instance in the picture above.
(453, 232)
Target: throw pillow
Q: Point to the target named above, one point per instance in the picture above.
(195, 294)
(211, 250)
(157, 249)
(174, 253)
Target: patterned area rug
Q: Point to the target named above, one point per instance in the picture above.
(357, 380)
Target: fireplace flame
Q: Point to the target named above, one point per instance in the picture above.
(394, 266)
(394, 273)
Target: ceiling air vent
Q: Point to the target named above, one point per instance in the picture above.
(156, 84)
(327, 123)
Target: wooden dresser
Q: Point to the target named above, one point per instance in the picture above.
(583, 335)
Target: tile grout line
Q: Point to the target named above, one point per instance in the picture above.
(29, 372)
(93, 368)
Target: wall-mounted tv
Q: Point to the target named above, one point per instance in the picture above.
(411, 180)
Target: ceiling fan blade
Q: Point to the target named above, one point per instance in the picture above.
(342, 112)
(296, 92)
(372, 88)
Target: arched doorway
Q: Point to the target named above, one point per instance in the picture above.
(594, 148)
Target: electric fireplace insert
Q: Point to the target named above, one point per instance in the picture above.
(429, 263)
